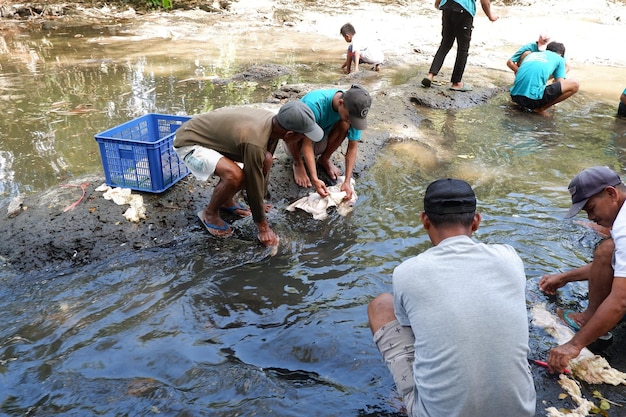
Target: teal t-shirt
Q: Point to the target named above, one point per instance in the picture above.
(469, 5)
(531, 47)
(534, 73)
(321, 103)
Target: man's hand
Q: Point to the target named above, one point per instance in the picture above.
(320, 187)
(561, 355)
(266, 235)
(347, 188)
(549, 283)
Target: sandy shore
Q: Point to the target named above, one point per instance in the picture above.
(409, 33)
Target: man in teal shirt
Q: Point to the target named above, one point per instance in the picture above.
(530, 89)
(341, 114)
(539, 45)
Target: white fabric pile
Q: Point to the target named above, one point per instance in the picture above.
(318, 206)
(120, 196)
(588, 367)
(573, 389)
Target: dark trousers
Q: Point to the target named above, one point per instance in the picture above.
(456, 24)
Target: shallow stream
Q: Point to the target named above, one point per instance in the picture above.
(190, 333)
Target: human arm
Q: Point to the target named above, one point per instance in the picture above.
(608, 314)
(266, 235)
(623, 98)
(549, 283)
(309, 160)
(347, 64)
(560, 72)
(486, 5)
(437, 2)
(351, 154)
(254, 167)
(512, 66)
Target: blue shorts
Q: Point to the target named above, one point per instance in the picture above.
(550, 94)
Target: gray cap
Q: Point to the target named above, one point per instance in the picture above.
(358, 101)
(588, 183)
(298, 117)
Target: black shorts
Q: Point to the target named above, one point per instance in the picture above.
(550, 94)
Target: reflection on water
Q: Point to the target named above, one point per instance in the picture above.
(194, 331)
(59, 89)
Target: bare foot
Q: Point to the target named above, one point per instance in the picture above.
(573, 318)
(549, 283)
(300, 176)
(332, 171)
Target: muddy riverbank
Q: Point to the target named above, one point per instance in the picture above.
(46, 238)
(409, 33)
(45, 234)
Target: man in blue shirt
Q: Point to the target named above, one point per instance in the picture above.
(530, 89)
(540, 45)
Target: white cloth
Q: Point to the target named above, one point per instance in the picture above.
(370, 51)
(587, 367)
(318, 206)
(121, 196)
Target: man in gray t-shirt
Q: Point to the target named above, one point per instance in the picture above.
(454, 334)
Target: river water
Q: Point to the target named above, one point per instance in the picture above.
(191, 333)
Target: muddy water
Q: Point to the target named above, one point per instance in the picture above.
(188, 332)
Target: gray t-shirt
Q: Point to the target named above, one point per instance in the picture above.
(465, 302)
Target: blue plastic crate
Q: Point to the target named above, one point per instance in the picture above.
(139, 154)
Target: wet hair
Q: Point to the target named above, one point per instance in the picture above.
(556, 47)
(347, 29)
(443, 220)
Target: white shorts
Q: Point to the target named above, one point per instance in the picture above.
(201, 161)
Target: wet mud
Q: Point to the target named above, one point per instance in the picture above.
(43, 236)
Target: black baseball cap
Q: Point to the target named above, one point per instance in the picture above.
(449, 196)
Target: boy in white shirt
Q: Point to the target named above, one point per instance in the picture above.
(360, 51)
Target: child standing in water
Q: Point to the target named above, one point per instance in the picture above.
(360, 50)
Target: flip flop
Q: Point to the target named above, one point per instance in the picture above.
(466, 87)
(601, 342)
(237, 207)
(214, 229)
(426, 82)
(564, 314)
